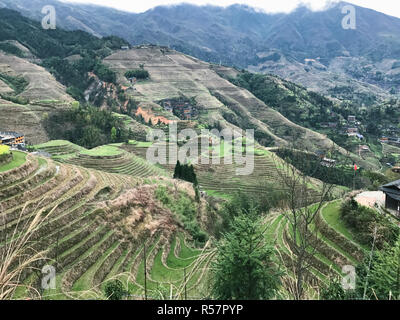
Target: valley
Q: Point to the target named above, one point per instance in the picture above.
(82, 117)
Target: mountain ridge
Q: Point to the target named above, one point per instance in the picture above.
(244, 37)
(172, 75)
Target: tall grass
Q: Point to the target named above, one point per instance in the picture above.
(17, 254)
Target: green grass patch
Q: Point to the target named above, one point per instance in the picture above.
(86, 280)
(103, 151)
(19, 158)
(331, 214)
(57, 143)
(143, 144)
(187, 252)
(260, 152)
(162, 274)
(219, 194)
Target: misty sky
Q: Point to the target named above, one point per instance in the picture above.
(391, 7)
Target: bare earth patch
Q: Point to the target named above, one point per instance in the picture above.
(371, 199)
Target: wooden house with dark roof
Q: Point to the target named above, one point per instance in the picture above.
(392, 193)
(11, 138)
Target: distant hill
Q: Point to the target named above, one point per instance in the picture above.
(50, 43)
(35, 78)
(221, 102)
(238, 35)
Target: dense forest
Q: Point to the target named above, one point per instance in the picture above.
(342, 173)
(87, 126)
(306, 108)
(140, 74)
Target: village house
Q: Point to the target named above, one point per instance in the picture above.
(364, 148)
(351, 119)
(352, 130)
(330, 163)
(396, 169)
(11, 138)
(390, 140)
(183, 110)
(392, 195)
(133, 80)
(167, 106)
(187, 113)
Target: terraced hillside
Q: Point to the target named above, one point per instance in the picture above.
(109, 158)
(93, 228)
(173, 75)
(335, 248)
(100, 226)
(215, 177)
(24, 111)
(41, 84)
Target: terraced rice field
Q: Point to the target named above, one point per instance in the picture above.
(218, 178)
(335, 248)
(18, 159)
(214, 176)
(97, 225)
(167, 266)
(109, 158)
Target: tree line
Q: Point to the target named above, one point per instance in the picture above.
(87, 126)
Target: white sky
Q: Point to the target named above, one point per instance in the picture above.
(391, 7)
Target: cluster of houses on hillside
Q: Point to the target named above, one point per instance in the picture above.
(390, 140)
(350, 126)
(12, 139)
(325, 161)
(184, 110)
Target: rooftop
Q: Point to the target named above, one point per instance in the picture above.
(10, 134)
(6, 137)
(393, 184)
(392, 189)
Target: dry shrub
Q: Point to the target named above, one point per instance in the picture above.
(17, 255)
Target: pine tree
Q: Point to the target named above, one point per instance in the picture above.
(113, 134)
(178, 170)
(384, 275)
(245, 266)
(185, 172)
